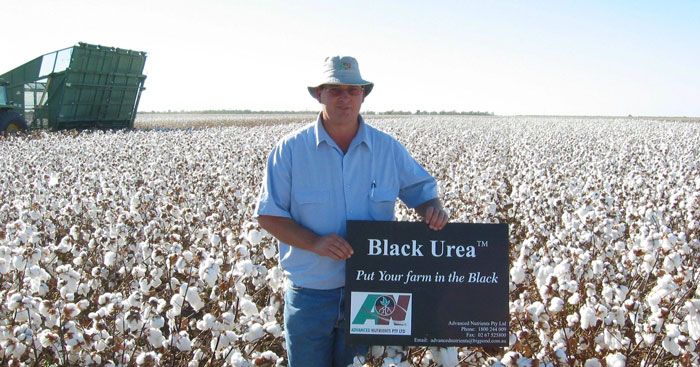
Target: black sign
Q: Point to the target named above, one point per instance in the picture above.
(409, 285)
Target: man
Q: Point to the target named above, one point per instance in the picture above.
(336, 169)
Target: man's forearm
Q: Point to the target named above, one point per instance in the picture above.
(293, 234)
(288, 231)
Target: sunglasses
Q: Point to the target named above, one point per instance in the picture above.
(337, 91)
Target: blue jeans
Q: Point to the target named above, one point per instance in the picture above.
(313, 319)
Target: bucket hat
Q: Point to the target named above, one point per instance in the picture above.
(340, 70)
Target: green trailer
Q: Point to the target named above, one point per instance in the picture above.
(80, 87)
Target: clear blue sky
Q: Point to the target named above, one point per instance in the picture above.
(508, 57)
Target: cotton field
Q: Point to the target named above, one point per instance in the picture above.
(139, 248)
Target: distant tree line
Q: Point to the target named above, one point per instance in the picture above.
(236, 112)
(262, 112)
(419, 112)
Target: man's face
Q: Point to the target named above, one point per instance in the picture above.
(341, 102)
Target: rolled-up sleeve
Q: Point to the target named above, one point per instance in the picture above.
(275, 193)
(416, 185)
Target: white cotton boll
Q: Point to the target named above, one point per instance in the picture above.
(227, 320)
(193, 298)
(255, 332)
(110, 258)
(535, 310)
(209, 271)
(4, 266)
(237, 360)
(653, 299)
(512, 339)
(47, 338)
(693, 318)
(570, 286)
(225, 339)
(74, 232)
(391, 362)
(254, 237)
(100, 345)
(517, 272)
(543, 272)
(275, 278)
(649, 338)
(672, 262)
(36, 272)
(148, 358)
(104, 298)
(53, 179)
(544, 292)
(248, 307)
(177, 301)
(273, 328)
(215, 240)
(510, 358)
(612, 340)
(218, 343)
(182, 342)
(134, 299)
(157, 322)
(71, 310)
(447, 356)
(608, 293)
(155, 337)
(556, 305)
(240, 289)
(14, 301)
(561, 355)
(266, 358)
(597, 267)
(574, 299)
(616, 316)
(615, 360)
(144, 286)
(19, 262)
(187, 255)
(15, 350)
(269, 251)
(592, 362)
(671, 346)
(245, 268)
(562, 270)
(138, 271)
(181, 264)
(207, 322)
(242, 250)
(588, 317)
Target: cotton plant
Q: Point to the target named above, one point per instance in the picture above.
(140, 248)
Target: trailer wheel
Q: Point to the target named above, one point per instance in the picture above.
(11, 122)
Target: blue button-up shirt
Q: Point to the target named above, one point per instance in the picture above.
(310, 180)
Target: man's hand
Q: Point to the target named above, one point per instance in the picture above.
(433, 214)
(436, 218)
(332, 246)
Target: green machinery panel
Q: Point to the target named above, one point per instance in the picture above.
(84, 86)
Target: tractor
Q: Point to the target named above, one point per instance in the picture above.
(11, 121)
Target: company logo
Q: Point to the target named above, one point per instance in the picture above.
(380, 313)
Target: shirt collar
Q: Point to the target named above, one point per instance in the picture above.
(362, 135)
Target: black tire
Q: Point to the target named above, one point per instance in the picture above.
(11, 122)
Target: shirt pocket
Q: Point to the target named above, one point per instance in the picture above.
(313, 205)
(381, 204)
